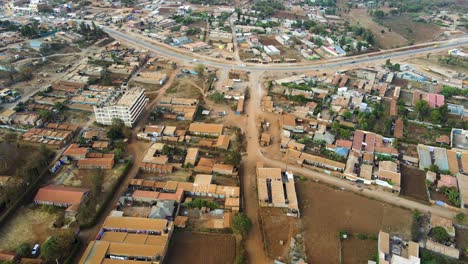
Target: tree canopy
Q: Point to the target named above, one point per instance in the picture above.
(241, 223)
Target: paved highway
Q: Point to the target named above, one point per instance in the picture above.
(188, 58)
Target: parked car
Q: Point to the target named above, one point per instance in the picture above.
(35, 250)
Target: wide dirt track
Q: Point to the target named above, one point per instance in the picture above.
(201, 248)
(326, 211)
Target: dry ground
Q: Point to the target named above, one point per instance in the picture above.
(433, 61)
(201, 248)
(462, 242)
(30, 224)
(357, 251)
(184, 88)
(386, 40)
(72, 176)
(277, 229)
(413, 31)
(326, 211)
(413, 183)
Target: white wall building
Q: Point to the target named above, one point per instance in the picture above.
(127, 107)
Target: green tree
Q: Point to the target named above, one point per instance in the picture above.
(439, 234)
(97, 179)
(436, 117)
(241, 223)
(359, 46)
(116, 129)
(434, 168)
(45, 115)
(24, 250)
(379, 14)
(461, 218)
(118, 153)
(422, 108)
(233, 158)
(200, 69)
(347, 115)
(58, 246)
(25, 73)
(216, 97)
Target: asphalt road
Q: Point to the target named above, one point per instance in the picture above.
(347, 61)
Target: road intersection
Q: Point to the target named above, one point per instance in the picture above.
(253, 109)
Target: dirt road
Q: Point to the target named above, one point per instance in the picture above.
(254, 242)
(137, 150)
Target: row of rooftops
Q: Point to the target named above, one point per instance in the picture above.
(277, 189)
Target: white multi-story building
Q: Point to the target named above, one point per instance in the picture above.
(127, 108)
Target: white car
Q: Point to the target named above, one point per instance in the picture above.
(242, 65)
(195, 60)
(35, 250)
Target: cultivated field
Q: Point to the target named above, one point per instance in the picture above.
(30, 224)
(357, 251)
(189, 247)
(413, 183)
(326, 211)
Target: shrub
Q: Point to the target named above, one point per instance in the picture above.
(439, 234)
(242, 223)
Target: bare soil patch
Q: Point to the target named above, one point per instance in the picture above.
(413, 183)
(358, 251)
(277, 229)
(387, 40)
(462, 242)
(416, 32)
(201, 248)
(30, 224)
(326, 211)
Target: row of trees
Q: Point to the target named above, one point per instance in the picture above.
(267, 8)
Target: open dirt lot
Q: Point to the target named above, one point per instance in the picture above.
(386, 40)
(413, 183)
(30, 224)
(358, 251)
(185, 88)
(326, 211)
(198, 248)
(462, 242)
(413, 31)
(277, 227)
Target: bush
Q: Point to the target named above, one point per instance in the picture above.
(199, 203)
(24, 250)
(362, 236)
(58, 246)
(460, 218)
(216, 97)
(242, 223)
(439, 234)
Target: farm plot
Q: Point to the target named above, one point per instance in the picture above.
(326, 211)
(413, 183)
(191, 247)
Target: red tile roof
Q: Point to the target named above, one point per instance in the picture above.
(60, 195)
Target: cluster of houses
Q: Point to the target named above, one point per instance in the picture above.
(361, 156)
